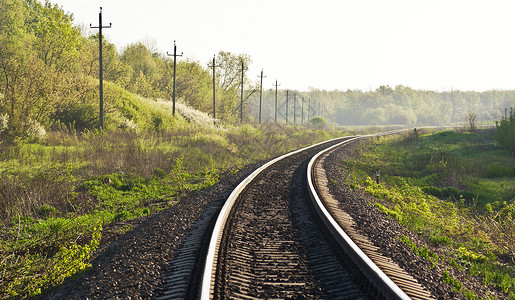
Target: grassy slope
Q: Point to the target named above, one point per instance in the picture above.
(455, 189)
(57, 195)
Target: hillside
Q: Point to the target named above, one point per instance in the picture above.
(50, 79)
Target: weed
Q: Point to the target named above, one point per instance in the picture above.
(439, 240)
(57, 195)
(442, 191)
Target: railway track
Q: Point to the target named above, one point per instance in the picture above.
(276, 242)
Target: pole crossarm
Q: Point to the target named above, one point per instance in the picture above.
(174, 72)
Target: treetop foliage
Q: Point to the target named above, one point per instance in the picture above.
(50, 73)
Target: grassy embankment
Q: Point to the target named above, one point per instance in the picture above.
(59, 193)
(457, 191)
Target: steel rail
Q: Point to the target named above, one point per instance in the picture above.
(209, 274)
(211, 258)
(384, 284)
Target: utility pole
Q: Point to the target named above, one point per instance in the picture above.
(261, 95)
(276, 85)
(242, 78)
(294, 109)
(101, 72)
(286, 107)
(302, 105)
(174, 67)
(214, 87)
(309, 108)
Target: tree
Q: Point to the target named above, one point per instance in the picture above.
(142, 69)
(229, 79)
(385, 90)
(470, 118)
(39, 63)
(193, 82)
(318, 122)
(18, 66)
(505, 134)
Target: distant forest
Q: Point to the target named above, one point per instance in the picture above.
(49, 75)
(390, 106)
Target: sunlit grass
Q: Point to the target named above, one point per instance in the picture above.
(444, 189)
(58, 194)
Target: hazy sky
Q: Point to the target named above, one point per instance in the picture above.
(329, 44)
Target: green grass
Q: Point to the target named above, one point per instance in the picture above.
(455, 190)
(56, 195)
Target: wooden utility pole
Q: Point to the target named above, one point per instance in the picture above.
(309, 109)
(241, 101)
(302, 106)
(276, 85)
(261, 94)
(174, 68)
(101, 72)
(286, 107)
(294, 109)
(214, 87)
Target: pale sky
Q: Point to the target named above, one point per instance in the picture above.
(329, 44)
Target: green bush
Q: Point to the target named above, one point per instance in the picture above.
(79, 116)
(505, 134)
(447, 192)
(318, 122)
(499, 170)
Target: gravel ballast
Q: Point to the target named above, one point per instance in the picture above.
(133, 265)
(385, 233)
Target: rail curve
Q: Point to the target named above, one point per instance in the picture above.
(335, 224)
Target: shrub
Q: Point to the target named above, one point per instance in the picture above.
(79, 116)
(34, 130)
(4, 121)
(505, 134)
(318, 122)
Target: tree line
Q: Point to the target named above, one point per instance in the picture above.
(400, 105)
(49, 74)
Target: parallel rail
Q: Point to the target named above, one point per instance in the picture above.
(386, 275)
(328, 214)
(211, 259)
(389, 289)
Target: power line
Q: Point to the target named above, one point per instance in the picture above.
(101, 72)
(174, 68)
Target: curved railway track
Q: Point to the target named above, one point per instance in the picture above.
(281, 235)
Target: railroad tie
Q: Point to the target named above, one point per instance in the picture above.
(399, 276)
